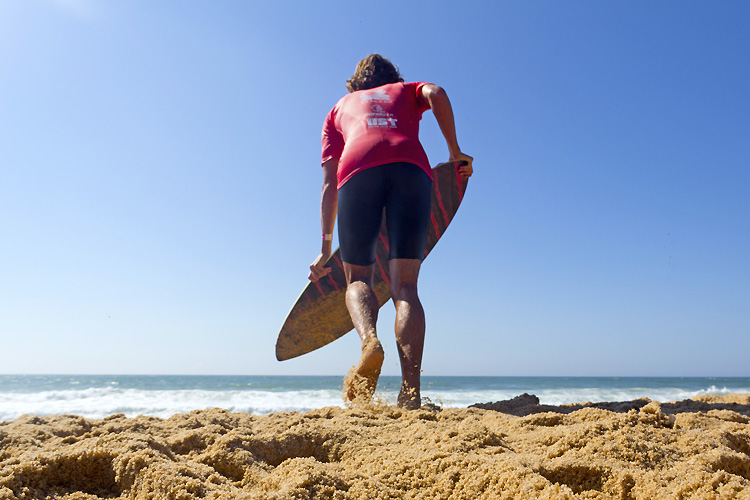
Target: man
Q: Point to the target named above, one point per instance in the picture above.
(373, 160)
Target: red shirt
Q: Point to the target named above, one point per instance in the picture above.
(373, 127)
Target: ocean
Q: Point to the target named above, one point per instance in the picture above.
(97, 396)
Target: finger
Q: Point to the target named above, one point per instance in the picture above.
(314, 274)
(318, 272)
(466, 172)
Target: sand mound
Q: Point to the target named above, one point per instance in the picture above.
(636, 450)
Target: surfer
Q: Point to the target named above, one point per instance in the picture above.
(372, 160)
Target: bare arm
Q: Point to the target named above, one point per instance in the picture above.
(441, 107)
(328, 208)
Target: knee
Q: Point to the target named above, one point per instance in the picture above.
(403, 291)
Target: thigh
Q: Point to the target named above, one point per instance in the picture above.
(360, 214)
(408, 212)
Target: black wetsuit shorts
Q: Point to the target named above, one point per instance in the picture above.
(404, 190)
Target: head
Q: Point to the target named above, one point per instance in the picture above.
(373, 71)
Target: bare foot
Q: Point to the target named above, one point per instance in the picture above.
(409, 398)
(365, 376)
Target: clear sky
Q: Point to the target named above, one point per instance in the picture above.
(160, 183)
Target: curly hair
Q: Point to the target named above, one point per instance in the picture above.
(373, 71)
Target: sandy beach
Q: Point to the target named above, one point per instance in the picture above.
(514, 449)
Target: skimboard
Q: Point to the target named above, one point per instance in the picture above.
(320, 315)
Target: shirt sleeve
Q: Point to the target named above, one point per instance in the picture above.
(332, 142)
(423, 106)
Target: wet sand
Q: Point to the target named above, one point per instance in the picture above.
(514, 449)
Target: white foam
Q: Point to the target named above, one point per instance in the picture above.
(561, 396)
(103, 401)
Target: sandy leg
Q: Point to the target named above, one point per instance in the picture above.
(409, 397)
(363, 381)
(410, 329)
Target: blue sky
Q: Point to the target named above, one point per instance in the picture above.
(160, 181)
